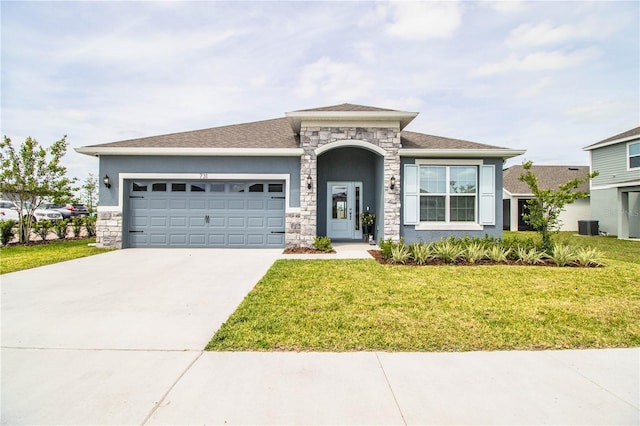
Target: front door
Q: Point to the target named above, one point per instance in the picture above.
(344, 205)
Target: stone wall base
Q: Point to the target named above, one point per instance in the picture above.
(109, 230)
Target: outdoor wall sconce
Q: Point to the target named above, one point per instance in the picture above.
(105, 180)
(393, 182)
(308, 181)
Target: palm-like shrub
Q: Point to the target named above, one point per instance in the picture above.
(400, 254)
(529, 256)
(498, 253)
(474, 252)
(562, 255)
(421, 253)
(447, 250)
(587, 256)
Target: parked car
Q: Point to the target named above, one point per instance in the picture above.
(8, 210)
(68, 211)
(45, 214)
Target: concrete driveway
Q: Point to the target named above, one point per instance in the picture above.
(99, 340)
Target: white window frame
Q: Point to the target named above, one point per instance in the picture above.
(447, 224)
(629, 168)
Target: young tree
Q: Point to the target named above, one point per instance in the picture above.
(547, 204)
(90, 191)
(31, 175)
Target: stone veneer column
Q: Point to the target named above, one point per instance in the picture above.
(109, 229)
(311, 138)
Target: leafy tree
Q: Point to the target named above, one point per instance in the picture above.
(547, 204)
(32, 174)
(90, 192)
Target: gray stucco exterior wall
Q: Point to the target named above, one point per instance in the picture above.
(411, 235)
(114, 165)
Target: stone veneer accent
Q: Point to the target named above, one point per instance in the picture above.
(109, 229)
(311, 138)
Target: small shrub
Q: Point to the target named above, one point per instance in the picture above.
(474, 252)
(76, 226)
(90, 225)
(562, 254)
(587, 256)
(400, 254)
(448, 250)
(42, 228)
(387, 245)
(421, 253)
(6, 231)
(530, 256)
(498, 253)
(60, 228)
(322, 244)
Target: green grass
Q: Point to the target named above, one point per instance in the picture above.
(350, 305)
(16, 257)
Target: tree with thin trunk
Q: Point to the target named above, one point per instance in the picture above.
(31, 175)
(546, 205)
(90, 192)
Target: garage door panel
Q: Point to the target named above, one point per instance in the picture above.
(255, 222)
(236, 205)
(177, 221)
(236, 222)
(206, 219)
(160, 204)
(255, 205)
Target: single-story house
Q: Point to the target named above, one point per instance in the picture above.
(281, 182)
(516, 194)
(615, 192)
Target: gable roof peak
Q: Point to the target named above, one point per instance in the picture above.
(345, 107)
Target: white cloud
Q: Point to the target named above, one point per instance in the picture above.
(505, 6)
(536, 89)
(333, 81)
(546, 33)
(424, 20)
(599, 111)
(539, 61)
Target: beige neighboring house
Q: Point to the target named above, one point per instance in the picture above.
(515, 194)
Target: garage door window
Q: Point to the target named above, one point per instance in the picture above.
(236, 187)
(178, 187)
(198, 187)
(256, 187)
(217, 187)
(139, 187)
(159, 187)
(276, 187)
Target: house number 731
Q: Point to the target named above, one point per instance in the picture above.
(204, 175)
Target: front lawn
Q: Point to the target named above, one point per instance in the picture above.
(18, 257)
(349, 305)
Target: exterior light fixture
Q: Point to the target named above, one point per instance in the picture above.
(105, 180)
(393, 182)
(308, 181)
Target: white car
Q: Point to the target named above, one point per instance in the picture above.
(8, 210)
(44, 214)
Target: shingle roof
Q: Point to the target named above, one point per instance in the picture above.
(549, 177)
(623, 135)
(346, 107)
(413, 140)
(276, 133)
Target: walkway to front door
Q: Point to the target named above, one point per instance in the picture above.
(344, 205)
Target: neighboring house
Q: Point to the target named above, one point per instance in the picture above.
(615, 192)
(281, 182)
(516, 193)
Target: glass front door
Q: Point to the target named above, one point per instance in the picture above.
(344, 205)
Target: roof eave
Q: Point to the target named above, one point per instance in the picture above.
(296, 118)
(613, 142)
(461, 153)
(97, 151)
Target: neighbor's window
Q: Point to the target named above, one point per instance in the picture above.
(448, 193)
(634, 155)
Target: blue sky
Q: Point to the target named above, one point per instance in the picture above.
(549, 77)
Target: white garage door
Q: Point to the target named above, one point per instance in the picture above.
(206, 214)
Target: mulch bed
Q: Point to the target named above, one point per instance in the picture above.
(377, 255)
(306, 250)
